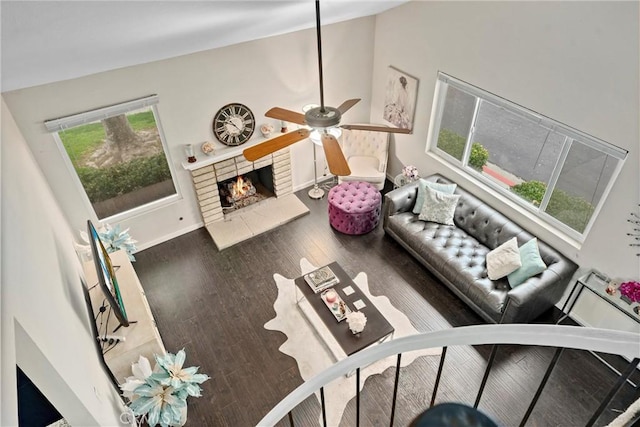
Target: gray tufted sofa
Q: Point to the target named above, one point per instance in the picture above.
(456, 255)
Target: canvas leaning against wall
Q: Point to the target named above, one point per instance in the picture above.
(400, 98)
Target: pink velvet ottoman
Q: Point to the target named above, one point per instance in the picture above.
(354, 207)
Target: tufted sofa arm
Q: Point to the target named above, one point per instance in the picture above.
(531, 298)
(401, 199)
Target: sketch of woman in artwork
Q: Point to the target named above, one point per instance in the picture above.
(398, 107)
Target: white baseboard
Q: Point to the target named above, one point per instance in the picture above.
(170, 236)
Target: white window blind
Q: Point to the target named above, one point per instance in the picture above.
(546, 122)
(57, 125)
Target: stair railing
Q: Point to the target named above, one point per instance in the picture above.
(625, 344)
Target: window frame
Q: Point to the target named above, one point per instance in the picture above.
(444, 81)
(56, 126)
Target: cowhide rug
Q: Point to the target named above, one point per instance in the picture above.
(311, 354)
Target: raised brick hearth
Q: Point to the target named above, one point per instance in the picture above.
(227, 229)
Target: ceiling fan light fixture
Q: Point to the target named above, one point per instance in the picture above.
(316, 138)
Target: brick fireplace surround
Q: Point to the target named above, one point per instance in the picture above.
(231, 228)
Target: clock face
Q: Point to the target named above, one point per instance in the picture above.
(234, 124)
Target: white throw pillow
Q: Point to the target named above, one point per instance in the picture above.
(438, 207)
(503, 260)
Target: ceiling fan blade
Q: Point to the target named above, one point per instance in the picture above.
(278, 143)
(376, 128)
(346, 105)
(335, 157)
(286, 115)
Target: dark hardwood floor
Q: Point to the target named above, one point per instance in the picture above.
(214, 304)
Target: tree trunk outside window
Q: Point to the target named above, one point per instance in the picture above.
(120, 134)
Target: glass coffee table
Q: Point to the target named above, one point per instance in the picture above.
(337, 336)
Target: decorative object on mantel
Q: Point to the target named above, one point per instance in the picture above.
(630, 292)
(208, 148)
(114, 239)
(188, 150)
(356, 321)
(635, 235)
(160, 395)
(266, 129)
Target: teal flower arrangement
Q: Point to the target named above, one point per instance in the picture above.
(161, 395)
(114, 239)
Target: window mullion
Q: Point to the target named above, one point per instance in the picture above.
(472, 131)
(555, 174)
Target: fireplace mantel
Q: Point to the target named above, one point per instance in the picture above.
(222, 153)
(219, 155)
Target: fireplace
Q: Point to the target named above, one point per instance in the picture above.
(271, 173)
(271, 178)
(246, 189)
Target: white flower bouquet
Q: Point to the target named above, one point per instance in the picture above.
(410, 173)
(356, 321)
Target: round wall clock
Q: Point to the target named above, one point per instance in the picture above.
(234, 124)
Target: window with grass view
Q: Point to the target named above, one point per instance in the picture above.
(118, 156)
(559, 173)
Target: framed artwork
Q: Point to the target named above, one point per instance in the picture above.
(400, 98)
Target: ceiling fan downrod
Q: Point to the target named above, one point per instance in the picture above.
(319, 40)
(322, 117)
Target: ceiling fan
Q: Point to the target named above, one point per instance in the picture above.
(321, 119)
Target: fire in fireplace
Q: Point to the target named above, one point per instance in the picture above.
(247, 189)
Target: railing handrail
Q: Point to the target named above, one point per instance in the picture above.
(626, 344)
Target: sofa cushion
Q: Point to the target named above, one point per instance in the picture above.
(422, 184)
(503, 260)
(532, 263)
(438, 207)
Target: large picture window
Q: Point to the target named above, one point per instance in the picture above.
(560, 174)
(118, 156)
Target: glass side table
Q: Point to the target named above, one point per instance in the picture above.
(401, 180)
(597, 284)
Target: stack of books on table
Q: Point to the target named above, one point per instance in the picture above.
(321, 279)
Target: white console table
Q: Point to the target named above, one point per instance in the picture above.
(141, 338)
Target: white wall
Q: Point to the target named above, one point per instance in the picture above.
(277, 71)
(576, 62)
(45, 323)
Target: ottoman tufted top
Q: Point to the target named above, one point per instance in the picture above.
(355, 197)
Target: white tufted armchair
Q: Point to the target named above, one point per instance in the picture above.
(366, 152)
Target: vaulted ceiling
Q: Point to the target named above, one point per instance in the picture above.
(49, 41)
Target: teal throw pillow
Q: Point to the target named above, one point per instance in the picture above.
(423, 184)
(532, 263)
